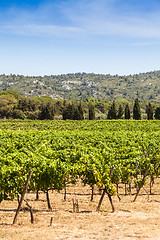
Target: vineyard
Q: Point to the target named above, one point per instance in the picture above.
(102, 155)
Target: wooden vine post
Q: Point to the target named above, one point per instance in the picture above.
(101, 199)
(48, 200)
(37, 195)
(31, 212)
(110, 199)
(75, 205)
(92, 193)
(22, 197)
(103, 193)
(51, 221)
(65, 192)
(142, 183)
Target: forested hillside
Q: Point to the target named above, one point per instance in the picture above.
(78, 86)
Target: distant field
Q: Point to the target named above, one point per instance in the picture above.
(98, 125)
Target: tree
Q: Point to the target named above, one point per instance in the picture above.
(80, 112)
(6, 111)
(27, 104)
(157, 113)
(47, 111)
(73, 112)
(69, 112)
(149, 112)
(7, 105)
(13, 93)
(120, 112)
(101, 106)
(91, 112)
(33, 115)
(18, 114)
(112, 112)
(136, 110)
(127, 112)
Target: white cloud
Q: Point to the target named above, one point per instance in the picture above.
(109, 21)
(83, 18)
(38, 30)
(100, 17)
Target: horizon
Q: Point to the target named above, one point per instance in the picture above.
(105, 74)
(44, 37)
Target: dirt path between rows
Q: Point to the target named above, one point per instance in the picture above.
(138, 220)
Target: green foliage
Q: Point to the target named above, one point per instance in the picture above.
(112, 114)
(149, 112)
(46, 111)
(136, 110)
(68, 112)
(12, 106)
(18, 114)
(27, 104)
(87, 86)
(127, 112)
(7, 104)
(80, 112)
(13, 93)
(157, 113)
(120, 112)
(59, 152)
(73, 112)
(91, 112)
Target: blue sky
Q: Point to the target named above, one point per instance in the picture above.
(67, 36)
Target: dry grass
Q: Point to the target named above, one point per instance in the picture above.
(138, 220)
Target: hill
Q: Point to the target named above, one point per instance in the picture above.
(78, 86)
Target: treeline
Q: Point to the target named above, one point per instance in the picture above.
(113, 114)
(13, 105)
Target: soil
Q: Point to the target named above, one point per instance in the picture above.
(131, 220)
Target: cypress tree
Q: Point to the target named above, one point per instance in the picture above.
(136, 110)
(112, 112)
(80, 112)
(68, 112)
(47, 111)
(64, 113)
(157, 113)
(91, 112)
(149, 112)
(109, 113)
(127, 112)
(120, 112)
(73, 112)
